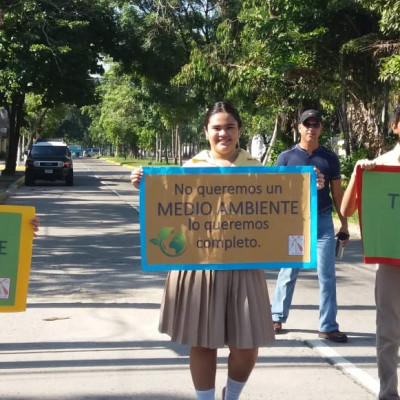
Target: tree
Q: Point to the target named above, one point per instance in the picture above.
(61, 121)
(388, 46)
(280, 57)
(50, 49)
(157, 40)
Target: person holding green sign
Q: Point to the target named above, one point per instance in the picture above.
(387, 283)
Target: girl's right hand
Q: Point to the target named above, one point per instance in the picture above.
(35, 222)
(366, 165)
(136, 177)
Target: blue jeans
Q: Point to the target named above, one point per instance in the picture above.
(326, 275)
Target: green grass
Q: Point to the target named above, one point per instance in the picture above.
(353, 219)
(136, 162)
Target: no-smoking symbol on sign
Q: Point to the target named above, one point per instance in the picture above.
(296, 245)
(4, 288)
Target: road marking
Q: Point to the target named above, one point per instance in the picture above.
(121, 197)
(360, 376)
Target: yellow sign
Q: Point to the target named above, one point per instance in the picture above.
(16, 235)
(228, 218)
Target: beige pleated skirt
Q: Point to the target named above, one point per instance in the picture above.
(217, 308)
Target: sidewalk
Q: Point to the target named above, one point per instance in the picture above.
(8, 184)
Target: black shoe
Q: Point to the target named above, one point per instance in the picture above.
(335, 336)
(277, 327)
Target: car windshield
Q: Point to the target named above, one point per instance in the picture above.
(49, 151)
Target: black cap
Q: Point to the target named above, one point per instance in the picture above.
(311, 114)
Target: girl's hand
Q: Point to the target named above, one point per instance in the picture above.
(320, 179)
(366, 165)
(136, 177)
(35, 222)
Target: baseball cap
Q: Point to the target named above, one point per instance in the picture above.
(309, 114)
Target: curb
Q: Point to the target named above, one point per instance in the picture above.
(341, 363)
(11, 189)
(118, 163)
(329, 354)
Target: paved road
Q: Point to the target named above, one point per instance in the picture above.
(90, 329)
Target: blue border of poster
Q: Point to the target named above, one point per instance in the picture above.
(312, 264)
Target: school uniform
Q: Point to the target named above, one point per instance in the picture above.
(214, 309)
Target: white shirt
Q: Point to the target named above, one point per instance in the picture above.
(392, 157)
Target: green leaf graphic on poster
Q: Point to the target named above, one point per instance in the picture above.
(10, 230)
(168, 240)
(380, 214)
(165, 233)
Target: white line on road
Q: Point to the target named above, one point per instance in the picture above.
(363, 378)
(104, 183)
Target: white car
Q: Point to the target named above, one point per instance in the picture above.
(92, 151)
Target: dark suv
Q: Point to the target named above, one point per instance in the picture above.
(51, 161)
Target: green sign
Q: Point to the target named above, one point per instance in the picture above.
(16, 234)
(9, 255)
(379, 210)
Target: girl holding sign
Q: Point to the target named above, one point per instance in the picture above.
(211, 309)
(387, 283)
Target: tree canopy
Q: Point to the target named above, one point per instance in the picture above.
(170, 58)
(51, 48)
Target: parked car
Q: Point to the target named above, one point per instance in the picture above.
(92, 151)
(49, 160)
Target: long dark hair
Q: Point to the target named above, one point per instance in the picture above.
(222, 107)
(396, 115)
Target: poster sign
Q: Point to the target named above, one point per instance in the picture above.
(228, 218)
(16, 235)
(378, 194)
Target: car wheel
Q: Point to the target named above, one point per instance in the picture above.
(29, 180)
(69, 179)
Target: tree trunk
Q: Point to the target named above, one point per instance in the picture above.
(179, 145)
(157, 147)
(160, 150)
(176, 161)
(39, 128)
(15, 116)
(30, 141)
(173, 145)
(343, 100)
(165, 151)
(272, 141)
